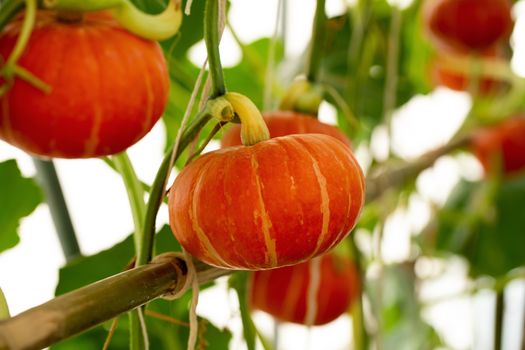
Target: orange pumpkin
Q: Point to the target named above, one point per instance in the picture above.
(467, 25)
(276, 203)
(503, 145)
(108, 88)
(283, 292)
(282, 123)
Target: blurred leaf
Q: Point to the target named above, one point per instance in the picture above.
(403, 327)
(363, 83)
(19, 196)
(493, 244)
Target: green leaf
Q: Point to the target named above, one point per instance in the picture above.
(86, 270)
(491, 241)
(19, 196)
(402, 325)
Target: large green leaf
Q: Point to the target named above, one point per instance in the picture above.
(19, 196)
(492, 240)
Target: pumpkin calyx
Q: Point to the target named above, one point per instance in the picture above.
(303, 96)
(221, 109)
(253, 127)
(153, 27)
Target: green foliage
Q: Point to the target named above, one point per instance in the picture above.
(19, 196)
(403, 327)
(491, 240)
(359, 73)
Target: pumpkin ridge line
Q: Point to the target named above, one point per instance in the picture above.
(203, 238)
(94, 136)
(271, 253)
(323, 192)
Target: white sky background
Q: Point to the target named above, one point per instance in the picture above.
(101, 215)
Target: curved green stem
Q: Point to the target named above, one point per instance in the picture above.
(498, 319)
(314, 58)
(154, 27)
(158, 188)
(138, 333)
(135, 194)
(211, 37)
(25, 33)
(390, 93)
(10, 67)
(253, 127)
(207, 140)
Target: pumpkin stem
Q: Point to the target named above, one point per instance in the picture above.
(303, 96)
(153, 27)
(253, 127)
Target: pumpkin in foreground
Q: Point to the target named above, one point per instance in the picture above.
(276, 203)
(108, 87)
(283, 292)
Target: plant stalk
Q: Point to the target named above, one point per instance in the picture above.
(212, 39)
(80, 310)
(135, 194)
(158, 188)
(137, 329)
(498, 319)
(397, 176)
(48, 178)
(316, 44)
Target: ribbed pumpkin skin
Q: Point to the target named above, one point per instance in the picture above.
(283, 292)
(109, 88)
(282, 123)
(273, 204)
(467, 25)
(506, 140)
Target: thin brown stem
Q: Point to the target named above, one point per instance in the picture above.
(397, 176)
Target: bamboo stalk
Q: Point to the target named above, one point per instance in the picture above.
(80, 310)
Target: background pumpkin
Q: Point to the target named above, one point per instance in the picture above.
(283, 292)
(282, 123)
(467, 25)
(109, 87)
(276, 203)
(504, 142)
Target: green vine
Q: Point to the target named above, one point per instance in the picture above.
(154, 27)
(212, 39)
(10, 68)
(316, 44)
